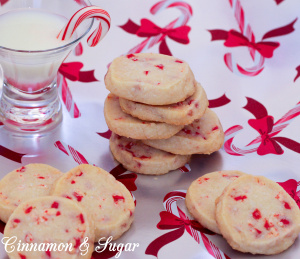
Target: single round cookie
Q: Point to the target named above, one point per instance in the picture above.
(50, 227)
(202, 194)
(107, 201)
(181, 113)
(149, 78)
(125, 125)
(24, 183)
(203, 136)
(140, 158)
(256, 215)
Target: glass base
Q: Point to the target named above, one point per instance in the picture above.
(30, 112)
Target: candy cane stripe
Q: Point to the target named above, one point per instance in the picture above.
(80, 16)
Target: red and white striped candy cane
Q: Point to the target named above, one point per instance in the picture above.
(186, 13)
(70, 151)
(83, 14)
(185, 169)
(66, 97)
(246, 30)
(281, 124)
(170, 204)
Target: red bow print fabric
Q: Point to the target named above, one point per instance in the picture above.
(267, 142)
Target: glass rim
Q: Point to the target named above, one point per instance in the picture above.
(57, 48)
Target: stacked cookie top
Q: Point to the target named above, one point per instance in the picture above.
(158, 113)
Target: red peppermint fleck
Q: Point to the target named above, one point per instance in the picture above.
(28, 210)
(178, 61)
(160, 66)
(215, 128)
(190, 102)
(44, 218)
(28, 238)
(117, 198)
(268, 225)
(77, 196)
(48, 253)
(81, 218)
(130, 213)
(80, 174)
(22, 256)
(41, 177)
(197, 105)
(72, 182)
(21, 170)
(287, 206)
(241, 197)
(146, 72)
(77, 242)
(58, 213)
(285, 221)
(258, 231)
(129, 145)
(67, 196)
(190, 113)
(55, 205)
(256, 214)
(130, 56)
(186, 131)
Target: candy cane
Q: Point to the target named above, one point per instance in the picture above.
(186, 13)
(80, 16)
(185, 169)
(246, 30)
(170, 204)
(70, 151)
(66, 97)
(280, 125)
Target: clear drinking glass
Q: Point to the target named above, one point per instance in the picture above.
(30, 101)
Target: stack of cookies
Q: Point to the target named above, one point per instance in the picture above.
(158, 114)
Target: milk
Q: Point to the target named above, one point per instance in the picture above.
(31, 30)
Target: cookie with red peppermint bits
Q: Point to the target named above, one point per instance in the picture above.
(27, 182)
(140, 158)
(50, 227)
(203, 136)
(125, 125)
(108, 202)
(202, 194)
(256, 215)
(150, 78)
(181, 113)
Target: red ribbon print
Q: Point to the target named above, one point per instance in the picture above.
(149, 29)
(176, 220)
(268, 142)
(180, 224)
(236, 39)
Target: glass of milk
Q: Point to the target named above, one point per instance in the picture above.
(30, 56)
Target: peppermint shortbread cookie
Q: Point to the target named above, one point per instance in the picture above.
(181, 113)
(149, 78)
(203, 136)
(53, 221)
(202, 194)
(24, 183)
(107, 201)
(140, 158)
(125, 125)
(256, 215)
